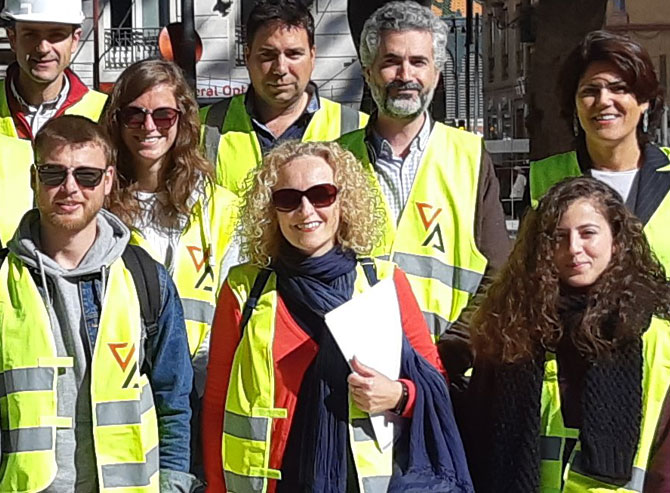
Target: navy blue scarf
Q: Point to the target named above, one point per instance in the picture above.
(315, 454)
(430, 456)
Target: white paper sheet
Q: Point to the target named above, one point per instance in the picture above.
(369, 327)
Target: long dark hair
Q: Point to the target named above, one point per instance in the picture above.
(633, 63)
(186, 166)
(519, 316)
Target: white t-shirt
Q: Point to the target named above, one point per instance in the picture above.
(161, 240)
(621, 181)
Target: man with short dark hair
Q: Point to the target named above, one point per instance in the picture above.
(95, 359)
(281, 103)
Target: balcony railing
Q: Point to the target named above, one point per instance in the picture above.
(125, 46)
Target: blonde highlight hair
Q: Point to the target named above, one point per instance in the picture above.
(362, 215)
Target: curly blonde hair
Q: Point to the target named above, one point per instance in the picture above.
(362, 214)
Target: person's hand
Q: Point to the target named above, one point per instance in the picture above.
(371, 391)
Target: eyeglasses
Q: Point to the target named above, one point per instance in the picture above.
(289, 199)
(54, 175)
(134, 117)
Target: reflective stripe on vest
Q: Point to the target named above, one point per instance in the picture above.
(90, 105)
(434, 240)
(230, 142)
(125, 428)
(16, 195)
(249, 411)
(554, 478)
(197, 259)
(549, 171)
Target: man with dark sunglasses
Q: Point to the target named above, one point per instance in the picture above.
(282, 103)
(79, 324)
(446, 224)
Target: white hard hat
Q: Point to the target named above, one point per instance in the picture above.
(56, 11)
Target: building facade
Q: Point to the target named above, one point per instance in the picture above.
(507, 53)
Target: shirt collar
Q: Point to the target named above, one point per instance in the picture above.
(383, 147)
(54, 103)
(312, 106)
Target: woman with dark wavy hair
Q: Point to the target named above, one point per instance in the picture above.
(165, 192)
(572, 345)
(611, 95)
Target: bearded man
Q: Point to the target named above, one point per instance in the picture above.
(445, 223)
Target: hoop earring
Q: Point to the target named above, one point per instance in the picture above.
(575, 124)
(645, 121)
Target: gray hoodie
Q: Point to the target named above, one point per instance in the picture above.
(75, 453)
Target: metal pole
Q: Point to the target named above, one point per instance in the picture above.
(456, 112)
(664, 127)
(477, 85)
(186, 52)
(468, 43)
(163, 12)
(96, 47)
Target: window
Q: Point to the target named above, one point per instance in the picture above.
(122, 13)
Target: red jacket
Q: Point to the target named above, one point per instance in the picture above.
(77, 91)
(293, 352)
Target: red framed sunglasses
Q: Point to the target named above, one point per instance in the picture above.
(134, 117)
(289, 199)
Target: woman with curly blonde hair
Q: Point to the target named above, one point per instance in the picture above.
(165, 192)
(282, 408)
(572, 345)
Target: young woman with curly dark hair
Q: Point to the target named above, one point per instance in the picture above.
(572, 345)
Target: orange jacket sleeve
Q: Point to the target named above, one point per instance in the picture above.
(224, 340)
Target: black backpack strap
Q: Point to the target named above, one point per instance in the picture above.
(256, 291)
(145, 276)
(3, 255)
(370, 270)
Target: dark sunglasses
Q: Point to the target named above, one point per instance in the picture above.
(134, 116)
(54, 175)
(289, 199)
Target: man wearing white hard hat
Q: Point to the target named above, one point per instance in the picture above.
(44, 34)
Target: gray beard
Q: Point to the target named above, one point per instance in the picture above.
(401, 108)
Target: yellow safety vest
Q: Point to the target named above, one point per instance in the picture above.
(197, 260)
(16, 195)
(90, 106)
(434, 240)
(554, 478)
(230, 142)
(549, 171)
(250, 403)
(125, 428)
